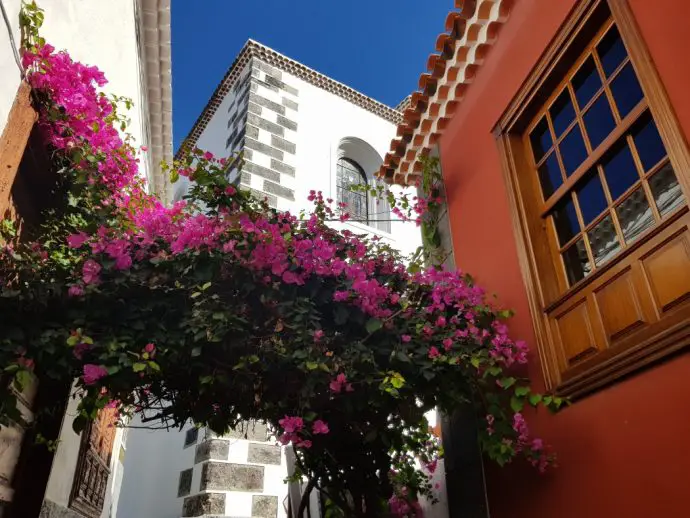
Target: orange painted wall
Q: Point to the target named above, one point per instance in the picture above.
(623, 451)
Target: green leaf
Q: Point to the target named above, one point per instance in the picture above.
(206, 286)
(506, 383)
(516, 404)
(312, 365)
(534, 399)
(154, 366)
(138, 367)
(373, 325)
(79, 424)
(205, 380)
(522, 391)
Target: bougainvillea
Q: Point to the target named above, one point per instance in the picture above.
(220, 311)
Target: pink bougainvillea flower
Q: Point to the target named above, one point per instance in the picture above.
(447, 344)
(304, 444)
(144, 148)
(406, 338)
(25, 362)
(208, 155)
(92, 373)
(75, 290)
(91, 271)
(80, 349)
(291, 424)
(230, 190)
(78, 239)
(320, 427)
(318, 335)
(434, 352)
(340, 383)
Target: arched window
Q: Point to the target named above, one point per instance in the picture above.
(350, 174)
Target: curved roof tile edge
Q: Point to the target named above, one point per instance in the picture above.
(470, 32)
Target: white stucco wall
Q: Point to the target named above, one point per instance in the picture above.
(324, 120)
(95, 32)
(152, 466)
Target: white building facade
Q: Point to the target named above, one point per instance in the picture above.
(298, 130)
(129, 40)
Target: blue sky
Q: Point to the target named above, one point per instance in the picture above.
(378, 47)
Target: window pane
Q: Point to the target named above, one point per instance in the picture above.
(599, 121)
(562, 113)
(541, 140)
(635, 215)
(648, 143)
(626, 90)
(591, 197)
(619, 169)
(577, 265)
(611, 51)
(565, 221)
(573, 151)
(604, 241)
(550, 176)
(586, 82)
(667, 192)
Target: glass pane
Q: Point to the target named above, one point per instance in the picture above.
(586, 82)
(562, 113)
(573, 151)
(611, 51)
(550, 175)
(626, 90)
(648, 143)
(591, 197)
(619, 169)
(635, 215)
(541, 140)
(666, 191)
(604, 241)
(577, 265)
(599, 121)
(565, 221)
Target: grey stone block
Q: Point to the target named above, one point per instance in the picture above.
(252, 430)
(267, 68)
(284, 121)
(50, 509)
(184, 486)
(269, 126)
(190, 436)
(247, 154)
(284, 145)
(266, 85)
(277, 83)
(279, 190)
(270, 199)
(264, 148)
(207, 503)
(223, 476)
(262, 101)
(264, 506)
(216, 449)
(251, 131)
(264, 454)
(264, 172)
(282, 167)
(254, 108)
(245, 178)
(254, 86)
(290, 104)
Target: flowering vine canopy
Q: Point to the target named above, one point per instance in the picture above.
(220, 310)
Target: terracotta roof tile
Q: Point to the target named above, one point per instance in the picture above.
(470, 31)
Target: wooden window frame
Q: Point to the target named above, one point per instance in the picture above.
(13, 142)
(544, 285)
